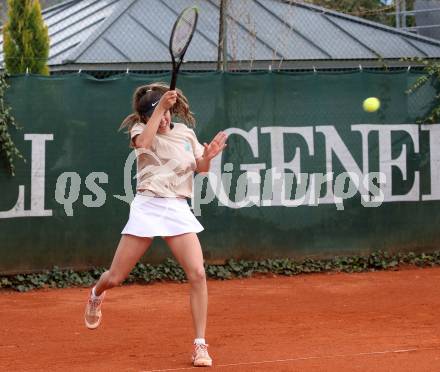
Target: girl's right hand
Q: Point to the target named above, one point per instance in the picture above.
(168, 100)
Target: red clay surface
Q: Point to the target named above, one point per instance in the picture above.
(383, 321)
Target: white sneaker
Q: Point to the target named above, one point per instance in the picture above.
(93, 314)
(200, 357)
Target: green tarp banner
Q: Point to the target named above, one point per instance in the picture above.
(306, 172)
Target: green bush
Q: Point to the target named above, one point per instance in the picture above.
(8, 150)
(171, 271)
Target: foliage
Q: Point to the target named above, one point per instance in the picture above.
(170, 270)
(26, 38)
(432, 77)
(7, 147)
(373, 10)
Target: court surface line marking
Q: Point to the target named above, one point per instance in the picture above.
(301, 358)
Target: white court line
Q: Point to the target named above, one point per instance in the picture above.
(299, 358)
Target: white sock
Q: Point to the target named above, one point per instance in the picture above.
(94, 293)
(199, 341)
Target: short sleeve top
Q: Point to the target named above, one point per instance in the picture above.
(167, 168)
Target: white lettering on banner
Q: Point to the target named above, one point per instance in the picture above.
(68, 200)
(69, 197)
(248, 192)
(434, 150)
(99, 192)
(279, 165)
(261, 183)
(386, 162)
(334, 144)
(128, 188)
(377, 196)
(277, 183)
(38, 172)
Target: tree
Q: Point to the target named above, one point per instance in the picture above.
(26, 38)
(374, 10)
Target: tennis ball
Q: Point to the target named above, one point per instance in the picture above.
(371, 104)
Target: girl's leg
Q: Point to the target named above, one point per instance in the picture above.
(188, 252)
(129, 251)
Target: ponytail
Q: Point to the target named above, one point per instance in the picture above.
(129, 121)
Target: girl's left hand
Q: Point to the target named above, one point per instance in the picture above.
(216, 146)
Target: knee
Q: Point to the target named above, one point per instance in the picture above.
(197, 276)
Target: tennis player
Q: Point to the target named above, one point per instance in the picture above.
(167, 155)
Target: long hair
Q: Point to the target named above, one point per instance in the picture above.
(141, 97)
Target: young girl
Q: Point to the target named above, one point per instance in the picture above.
(167, 156)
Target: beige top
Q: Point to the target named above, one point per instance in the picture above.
(167, 168)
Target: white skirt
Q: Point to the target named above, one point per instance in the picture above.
(152, 216)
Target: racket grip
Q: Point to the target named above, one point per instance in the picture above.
(173, 81)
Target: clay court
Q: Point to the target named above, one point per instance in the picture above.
(381, 321)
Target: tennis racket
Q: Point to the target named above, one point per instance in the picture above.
(181, 35)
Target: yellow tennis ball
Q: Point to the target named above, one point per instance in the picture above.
(371, 104)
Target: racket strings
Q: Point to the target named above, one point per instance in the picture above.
(183, 32)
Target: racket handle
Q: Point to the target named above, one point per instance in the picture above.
(173, 81)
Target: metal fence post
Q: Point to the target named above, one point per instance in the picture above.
(222, 55)
(403, 10)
